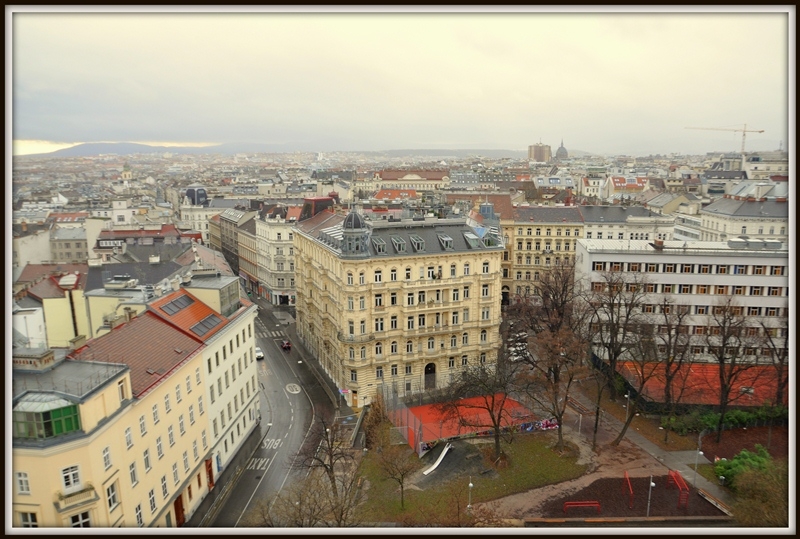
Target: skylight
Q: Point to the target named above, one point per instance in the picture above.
(206, 324)
(177, 304)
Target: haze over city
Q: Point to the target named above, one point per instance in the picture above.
(603, 82)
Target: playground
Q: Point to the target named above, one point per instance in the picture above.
(616, 497)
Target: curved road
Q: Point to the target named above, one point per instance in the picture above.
(291, 398)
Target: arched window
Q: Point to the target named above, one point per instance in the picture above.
(409, 347)
(363, 352)
(431, 343)
(483, 335)
(394, 347)
(453, 341)
(378, 349)
(352, 353)
(465, 338)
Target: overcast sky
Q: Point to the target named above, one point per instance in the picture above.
(605, 83)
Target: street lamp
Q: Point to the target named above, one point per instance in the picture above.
(696, 460)
(469, 503)
(649, 493)
(628, 406)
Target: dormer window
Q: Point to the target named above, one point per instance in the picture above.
(446, 241)
(417, 242)
(399, 244)
(380, 246)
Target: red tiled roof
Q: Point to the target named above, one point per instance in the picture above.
(188, 316)
(150, 347)
(49, 288)
(293, 212)
(702, 386)
(393, 194)
(166, 230)
(33, 272)
(501, 202)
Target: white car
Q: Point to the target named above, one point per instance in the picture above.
(259, 353)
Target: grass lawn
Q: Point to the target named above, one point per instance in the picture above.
(647, 427)
(532, 464)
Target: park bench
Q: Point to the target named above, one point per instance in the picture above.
(592, 503)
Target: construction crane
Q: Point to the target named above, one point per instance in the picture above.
(744, 131)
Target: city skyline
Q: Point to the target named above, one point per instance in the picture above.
(603, 82)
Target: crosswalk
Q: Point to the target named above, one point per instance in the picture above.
(273, 334)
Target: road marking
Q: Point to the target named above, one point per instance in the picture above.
(257, 463)
(278, 334)
(271, 443)
(294, 389)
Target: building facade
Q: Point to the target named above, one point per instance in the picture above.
(403, 303)
(124, 431)
(697, 276)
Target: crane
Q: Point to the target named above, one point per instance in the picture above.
(744, 131)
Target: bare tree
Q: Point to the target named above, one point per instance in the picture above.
(673, 342)
(479, 395)
(328, 451)
(554, 365)
(643, 362)
(396, 463)
(305, 503)
(728, 334)
(776, 343)
(615, 303)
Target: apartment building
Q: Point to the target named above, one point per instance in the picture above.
(538, 239)
(123, 432)
(276, 260)
(69, 244)
(758, 210)
(697, 276)
(399, 302)
(625, 222)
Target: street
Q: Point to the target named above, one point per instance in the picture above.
(291, 400)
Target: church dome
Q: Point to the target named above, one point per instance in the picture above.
(353, 221)
(562, 153)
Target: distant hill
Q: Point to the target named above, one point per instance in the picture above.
(130, 148)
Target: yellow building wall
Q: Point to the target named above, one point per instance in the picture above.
(322, 285)
(44, 466)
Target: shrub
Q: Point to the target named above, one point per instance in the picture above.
(744, 460)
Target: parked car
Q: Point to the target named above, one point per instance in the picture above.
(259, 353)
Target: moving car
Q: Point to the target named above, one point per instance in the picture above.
(259, 353)
(286, 345)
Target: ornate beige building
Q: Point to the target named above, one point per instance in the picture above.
(403, 302)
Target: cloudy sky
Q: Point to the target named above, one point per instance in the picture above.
(604, 82)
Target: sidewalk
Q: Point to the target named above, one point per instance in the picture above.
(681, 461)
(208, 509)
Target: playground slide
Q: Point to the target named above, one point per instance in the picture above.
(447, 448)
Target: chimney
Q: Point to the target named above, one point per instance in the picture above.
(24, 226)
(659, 245)
(176, 283)
(129, 314)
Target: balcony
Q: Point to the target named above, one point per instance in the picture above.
(66, 501)
(348, 338)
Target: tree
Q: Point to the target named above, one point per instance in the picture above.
(396, 463)
(328, 452)
(776, 343)
(304, 504)
(642, 366)
(615, 303)
(555, 362)
(559, 345)
(491, 385)
(762, 496)
(728, 335)
(673, 352)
